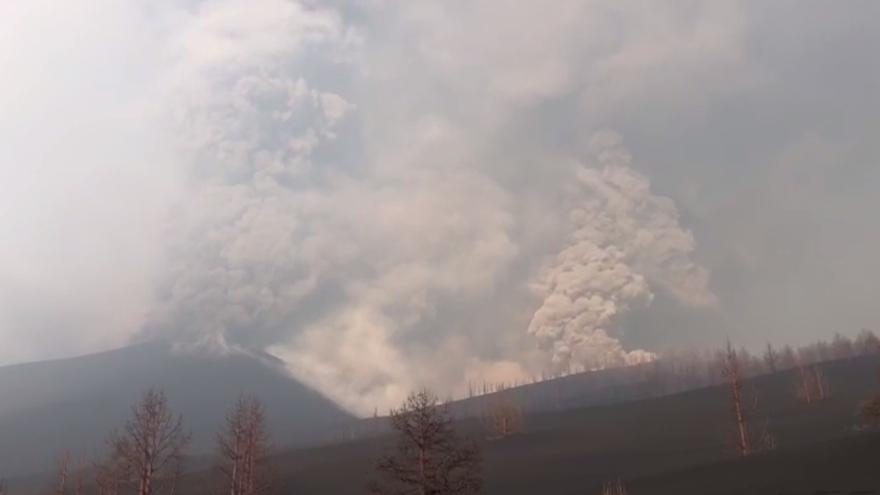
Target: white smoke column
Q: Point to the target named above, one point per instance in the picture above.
(625, 240)
(430, 238)
(249, 123)
(332, 265)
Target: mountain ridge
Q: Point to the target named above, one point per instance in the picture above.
(74, 403)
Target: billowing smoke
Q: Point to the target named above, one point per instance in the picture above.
(281, 246)
(240, 247)
(394, 193)
(377, 249)
(625, 240)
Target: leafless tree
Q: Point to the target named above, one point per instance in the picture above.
(867, 343)
(812, 384)
(244, 448)
(78, 483)
(3, 489)
(106, 479)
(823, 351)
(749, 365)
(752, 434)
(63, 473)
(841, 347)
(805, 387)
(787, 358)
(615, 487)
(504, 416)
(148, 453)
(429, 459)
(733, 377)
(823, 388)
(770, 359)
(870, 410)
(67, 469)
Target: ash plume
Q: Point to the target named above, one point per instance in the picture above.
(376, 250)
(391, 194)
(278, 247)
(625, 240)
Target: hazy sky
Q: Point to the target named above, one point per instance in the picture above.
(387, 194)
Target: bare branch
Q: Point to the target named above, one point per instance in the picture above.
(430, 459)
(149, 453)
(244, 449)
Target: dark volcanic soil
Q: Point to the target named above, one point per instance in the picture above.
(680, 444)
(675, 445)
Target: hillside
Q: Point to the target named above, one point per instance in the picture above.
(52, 406)
(678, 444)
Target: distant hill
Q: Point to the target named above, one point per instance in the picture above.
(679, 444)
(52, 406)
(674, 444)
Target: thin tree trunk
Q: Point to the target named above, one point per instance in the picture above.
(233, 482)
(424, 481)
(63, 471)
(820, 387)
(806, 386)
(146, 487)
(732, 374)
(741, 421)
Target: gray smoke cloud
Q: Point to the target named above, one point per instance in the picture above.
(354, 268)
(389, 194)
(280, 248)
(625, 241)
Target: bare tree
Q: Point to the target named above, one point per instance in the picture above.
(752, 433)
(804, 388)
(67, 468)
(823, 388)
(871, 410)
(78, 483)
(244, 448)
(733, 377)
(748, 365)
(867, 343)
(504, 416)
(770, 359)
(841, 347)
(63, 473)
(812, 384)
(106, 479)
(149, 452)
(787, 358)
(615, 487)
(430, 459)
(3, 489)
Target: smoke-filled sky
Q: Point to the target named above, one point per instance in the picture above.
(388, 194)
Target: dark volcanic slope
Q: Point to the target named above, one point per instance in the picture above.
(681, 444)
(51, 406)
(845, 466)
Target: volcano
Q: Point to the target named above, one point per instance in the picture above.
(50, 407)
